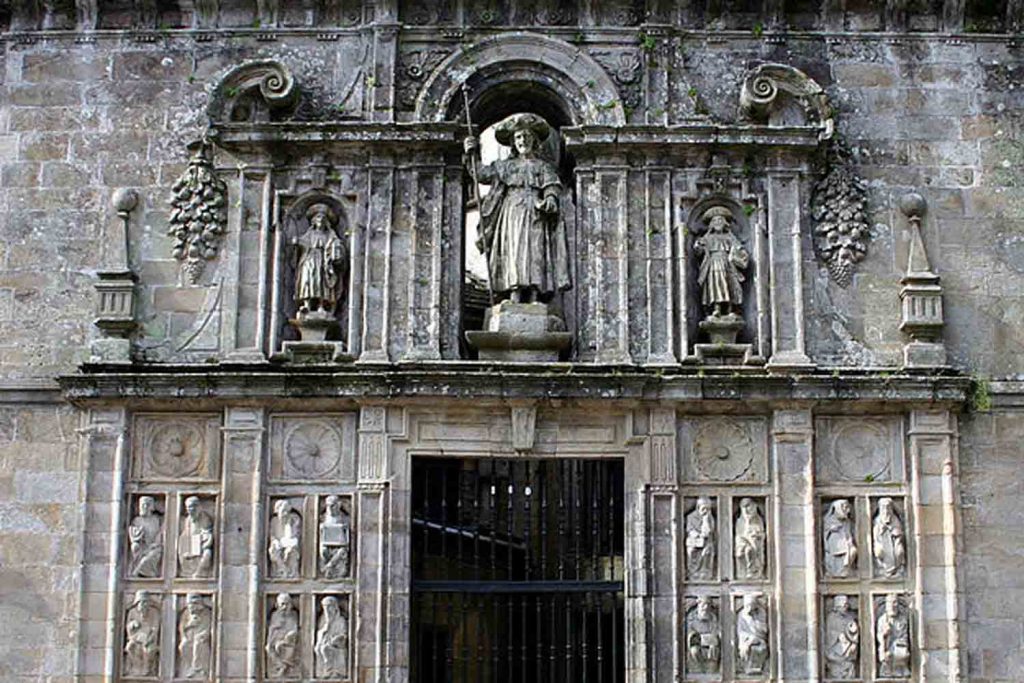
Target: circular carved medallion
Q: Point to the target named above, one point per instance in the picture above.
(722, 450)
(859, 451)
(176, 450)
(312, 448)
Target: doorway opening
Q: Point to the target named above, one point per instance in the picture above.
(517, 570)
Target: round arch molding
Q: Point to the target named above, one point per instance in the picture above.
(587, 91)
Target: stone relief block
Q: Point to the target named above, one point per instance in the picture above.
(146, 537)
(892, 636)
(750, 538)
(195, 636)
(284, 538)
(724, 449)
(313, 448)
(858, 449)
(176, 447)
(839, 539)
(283, 639)
(888, 538)
(331, 645)
(703, 635)
(197, 537)
(701, 541)
(334, 537)
(753, 652)
(142, 620)
(841, 647)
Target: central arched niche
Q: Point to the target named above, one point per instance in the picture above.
(523, 73)
(500, 95)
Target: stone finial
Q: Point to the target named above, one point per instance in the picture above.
(115, 288)
(921, 295)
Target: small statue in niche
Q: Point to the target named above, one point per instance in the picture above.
(285, 541)
(723, 258)
(195, 542)
(892, 634)
(146, 540)
(331, 648)
(522, 233)
(335, 540)
(283, 639)
(887, 542)
(749, 545)
(703, 638)
(840, 546)
(142, 636)
(319, 273)
(195, 638)
(701, 541)
(751, 636)
(842, 640)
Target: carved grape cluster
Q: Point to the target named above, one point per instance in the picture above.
(198, 213)
(839, 209)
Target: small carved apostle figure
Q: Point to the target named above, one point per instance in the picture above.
(892, 635)
(701, 541)
(887, 542)
(840, 545)
(195, 638)
(285, 541)
(322, 257)
(283, 639)
(331, 648)
(142, 636)
(751, 636)
(842, 640)
(749, 544)
(723, 260)
(335, 540)
(146, 540)
(522, 233)
(195, 541)
(703, 638)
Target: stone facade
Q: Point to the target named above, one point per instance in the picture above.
(219, 484)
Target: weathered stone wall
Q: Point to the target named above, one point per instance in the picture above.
(78, 120)
(991, 488)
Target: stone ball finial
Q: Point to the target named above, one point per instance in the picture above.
(124, 200)
(913, 205)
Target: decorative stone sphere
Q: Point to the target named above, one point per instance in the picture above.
(913, 205)
(124, 200)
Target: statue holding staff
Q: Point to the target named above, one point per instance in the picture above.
(522, 231)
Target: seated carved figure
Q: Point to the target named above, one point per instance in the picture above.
(146, 540)
(195, 541)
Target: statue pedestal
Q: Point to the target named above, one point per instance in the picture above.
(723, 349)
(520, 332)
(314, 348)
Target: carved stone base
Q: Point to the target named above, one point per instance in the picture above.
(313, 353)
(520, 332)
(924, 355)
(314, 326)
(726, 354)
(722, 329)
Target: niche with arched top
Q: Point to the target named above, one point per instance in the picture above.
(519, 202)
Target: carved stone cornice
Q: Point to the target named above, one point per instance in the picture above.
(481, 382)
(262, 137)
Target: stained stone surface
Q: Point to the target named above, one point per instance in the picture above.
(97, 97)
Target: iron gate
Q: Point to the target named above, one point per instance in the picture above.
(517, 571)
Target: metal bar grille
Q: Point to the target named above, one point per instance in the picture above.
(517, 571)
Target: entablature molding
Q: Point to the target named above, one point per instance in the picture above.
(481, 382)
